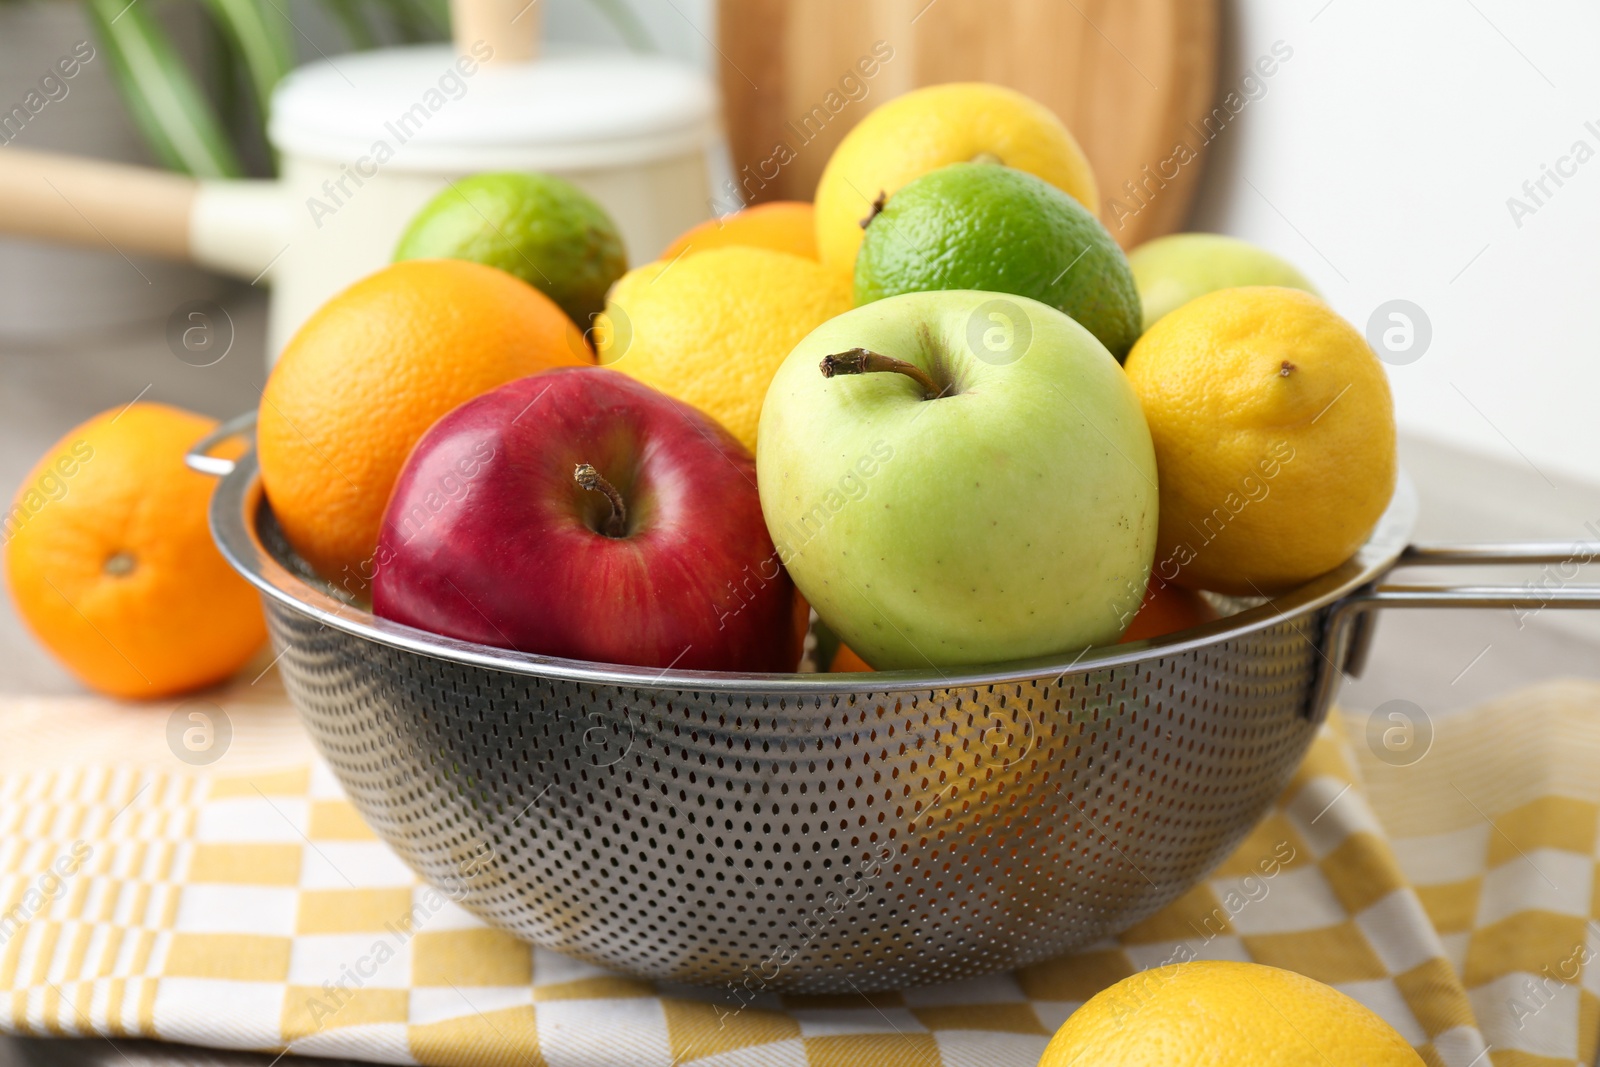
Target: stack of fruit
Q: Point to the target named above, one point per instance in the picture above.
(940, 402)
(940, 405)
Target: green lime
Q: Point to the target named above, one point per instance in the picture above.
(1171, 271)
(992, 227)
(542, 229)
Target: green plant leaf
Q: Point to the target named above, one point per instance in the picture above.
(405, 24)
(166, 103)
(627, 24)
(421, 20)
(437, 14)
(258, 35)
(223, 73)
(348, 14)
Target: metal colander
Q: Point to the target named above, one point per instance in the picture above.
(814, 833)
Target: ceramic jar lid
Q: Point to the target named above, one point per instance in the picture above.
(426, 109)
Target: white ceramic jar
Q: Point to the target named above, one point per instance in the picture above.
(365, 140)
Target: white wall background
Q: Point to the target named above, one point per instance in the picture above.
(1380, 161)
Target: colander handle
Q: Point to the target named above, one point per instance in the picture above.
(1347, 634)
(199, 458)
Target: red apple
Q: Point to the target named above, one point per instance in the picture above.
(579, 513)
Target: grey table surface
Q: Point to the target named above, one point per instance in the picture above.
(1442, 662)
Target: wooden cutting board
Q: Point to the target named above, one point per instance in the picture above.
(1132, 79)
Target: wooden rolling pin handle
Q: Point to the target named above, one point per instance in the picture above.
(102, 205)
(510, 28)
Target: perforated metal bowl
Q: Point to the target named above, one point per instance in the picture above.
(814, 833)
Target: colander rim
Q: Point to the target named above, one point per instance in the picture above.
(238, 506)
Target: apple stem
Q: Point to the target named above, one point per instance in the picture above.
(586, 476)
(864, 361)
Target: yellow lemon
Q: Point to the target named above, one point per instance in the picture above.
(1225, 1014)
(930, 128)
(1274, 434)
(712, 328)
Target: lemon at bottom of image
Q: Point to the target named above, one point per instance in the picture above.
(1223, 1013)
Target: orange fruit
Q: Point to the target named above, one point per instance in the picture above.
(369, 372)
(1166, 609)
(782, 226)
(111, 564)
(845, 661)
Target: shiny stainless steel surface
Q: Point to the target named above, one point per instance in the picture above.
(880, 838)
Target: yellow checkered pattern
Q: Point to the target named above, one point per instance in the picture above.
(1456, 897)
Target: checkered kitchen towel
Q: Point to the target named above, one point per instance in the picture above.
(1454, 894)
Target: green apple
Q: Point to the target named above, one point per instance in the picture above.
(1171, 271)
(958, 477)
